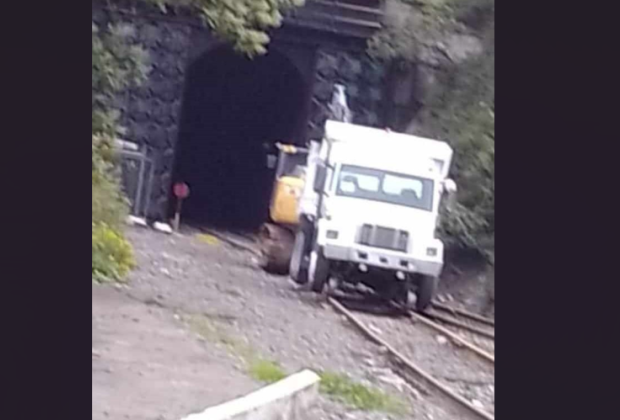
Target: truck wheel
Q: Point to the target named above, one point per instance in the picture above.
(319, 270)
(298, 268)
(400, 294)
(425, 292)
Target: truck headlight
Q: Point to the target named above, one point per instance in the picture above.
(332, 234)
(431, 252)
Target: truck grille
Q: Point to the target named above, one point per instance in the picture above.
(382, 237)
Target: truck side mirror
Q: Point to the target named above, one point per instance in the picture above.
(449, 188)
(319, 178)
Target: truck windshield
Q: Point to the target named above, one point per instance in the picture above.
(388, 187)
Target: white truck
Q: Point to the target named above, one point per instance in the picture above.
(369, 210)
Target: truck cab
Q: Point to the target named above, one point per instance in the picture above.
(370, 205)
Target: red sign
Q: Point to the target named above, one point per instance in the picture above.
(181, 190)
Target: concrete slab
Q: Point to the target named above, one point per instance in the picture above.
(287, 399)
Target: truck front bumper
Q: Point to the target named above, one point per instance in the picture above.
(382, 258)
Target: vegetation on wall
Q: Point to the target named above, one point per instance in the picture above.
(459, 109)
(463, 110)
(116, 65)
(243, 23)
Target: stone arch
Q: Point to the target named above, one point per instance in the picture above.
(234, 111)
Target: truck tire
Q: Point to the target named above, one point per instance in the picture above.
(425, 292)
(400, 294)
(319, 271)
(298, 268)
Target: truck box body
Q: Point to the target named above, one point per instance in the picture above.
(381, 148)
(380, 202)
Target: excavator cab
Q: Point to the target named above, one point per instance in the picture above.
(289, 183)
(278, 234)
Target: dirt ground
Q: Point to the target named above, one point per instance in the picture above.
(149, 362)
(467, 282)
(147, 366)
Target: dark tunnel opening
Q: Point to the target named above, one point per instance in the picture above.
(234, 111)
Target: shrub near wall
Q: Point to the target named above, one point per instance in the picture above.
(112, 255)
(116, 65)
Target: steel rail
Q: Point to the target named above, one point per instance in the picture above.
(455, 338)
(395, 353)
(457, 311)
(459, 324)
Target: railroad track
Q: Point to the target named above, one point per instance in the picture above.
(473, 328)
(460, 371)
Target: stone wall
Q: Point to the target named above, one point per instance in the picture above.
(151, 113)
(364, 80)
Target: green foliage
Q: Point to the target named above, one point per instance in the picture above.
(425, 21)
(460, 110)
(112, 254)
(109, 204)
(344, 389)
(243, 23)
(116, 65)
(266, 371)
(463, 111)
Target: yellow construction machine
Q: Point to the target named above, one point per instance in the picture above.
(277, 236)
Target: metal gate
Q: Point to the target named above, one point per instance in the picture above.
(137, 173)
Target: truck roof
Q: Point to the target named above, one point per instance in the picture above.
(400, 146)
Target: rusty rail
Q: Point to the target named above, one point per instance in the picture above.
(464, 313)
(455, 338)
(374, 337)
(459, 324)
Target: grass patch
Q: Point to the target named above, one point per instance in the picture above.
(204, 328)
(266, 371)
(211, 331)
(342, 388)
(335, 385)
(258, 368)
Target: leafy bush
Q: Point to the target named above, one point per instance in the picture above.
(109, 204)
(116, 65)
(460, 109)
(243, 23)
(112, 254)
(463, 111)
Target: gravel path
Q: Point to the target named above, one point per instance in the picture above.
(460, 369)
(185, 275)
(483, 342)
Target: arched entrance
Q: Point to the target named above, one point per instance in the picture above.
(234, 110)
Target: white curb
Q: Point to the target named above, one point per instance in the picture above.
(287, 399)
